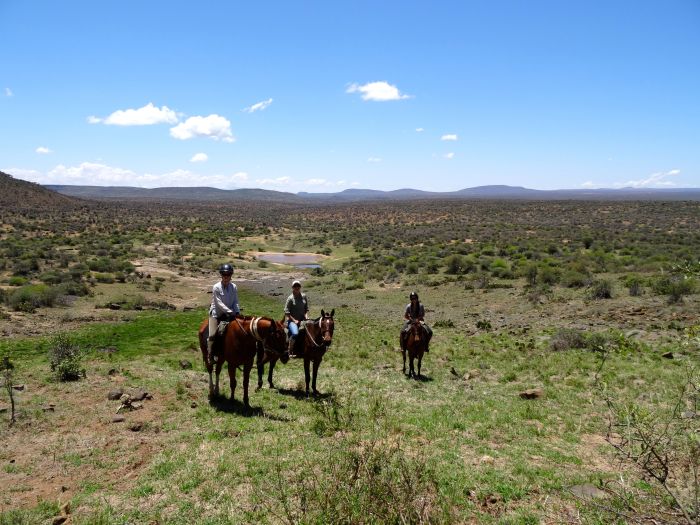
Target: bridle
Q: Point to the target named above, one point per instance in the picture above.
(329, 323)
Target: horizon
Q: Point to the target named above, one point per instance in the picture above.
(323, 98)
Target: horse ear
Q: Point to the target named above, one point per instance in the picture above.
(332, 312)
(323, 314)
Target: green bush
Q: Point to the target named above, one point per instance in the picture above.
(65, 359)
(601, 289)
(105, 278)
(17, 280)
(675, 286)
(30, 297)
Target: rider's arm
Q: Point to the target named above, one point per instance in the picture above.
(234, 302)
(219, 303)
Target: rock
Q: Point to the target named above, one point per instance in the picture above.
(138, 394)
(587, 491)
(60, 520)
(118, 419)
(688, 414)
(65, 508)
(487, 460)
(108, 350)
(112, 372)
(115, 306)
(136, 427)
(185, 364)
(667, 355)
(136, 406)
(533, 393)
(115, 394)
(19, 388)
(193, 404)
(187, 308)
(49, 408)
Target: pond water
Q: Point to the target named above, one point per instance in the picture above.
(298, 260)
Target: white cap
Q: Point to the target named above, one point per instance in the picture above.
(295, 283)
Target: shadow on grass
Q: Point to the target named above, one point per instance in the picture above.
(421, 378)
(223, 404)
(301, 394)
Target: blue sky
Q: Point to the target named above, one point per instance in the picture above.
(324, 96)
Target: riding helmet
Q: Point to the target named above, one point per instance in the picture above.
(412, 295)
(226, 269)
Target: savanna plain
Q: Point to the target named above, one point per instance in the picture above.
(561, 386)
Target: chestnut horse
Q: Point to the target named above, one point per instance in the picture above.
(245, 338)
(416, 344)
(317, 337)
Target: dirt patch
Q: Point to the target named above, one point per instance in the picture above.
(55, 452)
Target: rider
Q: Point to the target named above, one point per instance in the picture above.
(296, 310)
(224, 305)
(414, 311)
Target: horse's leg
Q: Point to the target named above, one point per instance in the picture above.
(269, 372)
(420, 359)
(306, 374)
(246, 381)
(317, 363)
(232, 378)
(411, 371)
(403, 352)
(261, 372)
(218, 366)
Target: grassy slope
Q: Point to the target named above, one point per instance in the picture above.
(462, 447)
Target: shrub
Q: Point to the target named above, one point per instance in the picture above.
(18, 280)
(105, 278)
(28, 298)
(566, 339)
(65, 359)
(574, 279)
(601, 289)
(675, 286)
(634, 285)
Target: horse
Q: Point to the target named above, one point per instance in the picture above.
(317, 337)
(416, 344)
(244, 339)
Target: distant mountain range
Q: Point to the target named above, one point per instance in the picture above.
(356, 195)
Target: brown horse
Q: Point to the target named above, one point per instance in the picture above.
(312, 345)
(244, 339)
(416, 342)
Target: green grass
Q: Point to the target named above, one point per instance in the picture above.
(435, 449)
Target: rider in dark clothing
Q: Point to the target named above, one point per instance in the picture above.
(414, 311)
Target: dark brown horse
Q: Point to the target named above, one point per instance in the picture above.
(317, 336)
(244, 339)
(415, 343)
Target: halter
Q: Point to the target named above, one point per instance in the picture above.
(320, 326)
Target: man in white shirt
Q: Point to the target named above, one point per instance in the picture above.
(224, 305)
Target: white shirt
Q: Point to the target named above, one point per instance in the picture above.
(224, 300)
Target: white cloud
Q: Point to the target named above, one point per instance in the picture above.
(654, 180)
(8, 92)
(199, 157)
(43, 150)
(374, 159)
(449, 136)
(213, 126)
(449, 155)
(378, 91)
(145, 116)
(19, 173)
(278, 182)
(240, 176)
(259, 106)
(420, 130)
(589, 184)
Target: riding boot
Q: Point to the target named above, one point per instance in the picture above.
(290, 349)
(210, 350)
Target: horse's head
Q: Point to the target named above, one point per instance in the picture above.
(276, 340)
(326, 326)
(416, 330)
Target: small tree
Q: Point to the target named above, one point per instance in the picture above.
(6, 367)
(65, 359)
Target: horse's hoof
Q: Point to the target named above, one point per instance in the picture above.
(272, 386)
(316, 393)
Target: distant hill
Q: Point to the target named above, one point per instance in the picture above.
(184, 194)
(360, 195)
(17, 193)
